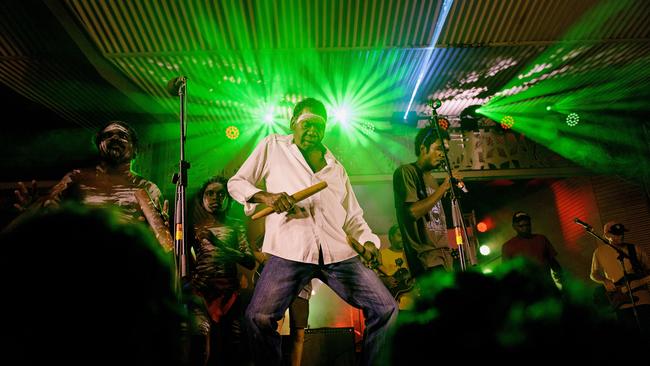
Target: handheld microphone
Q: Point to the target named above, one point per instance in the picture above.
(174, 85)
(460, 184)
(434, 104)
(582, 223)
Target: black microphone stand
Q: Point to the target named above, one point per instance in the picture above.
(460, 230)
(179, 87)
(621, 258)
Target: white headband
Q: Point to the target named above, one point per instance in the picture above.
(305, 116)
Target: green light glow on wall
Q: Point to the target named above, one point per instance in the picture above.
(358, 98)
(597, 84)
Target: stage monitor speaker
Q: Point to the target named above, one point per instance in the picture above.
(329, 347)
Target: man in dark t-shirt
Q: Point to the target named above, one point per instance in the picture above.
(420, 214)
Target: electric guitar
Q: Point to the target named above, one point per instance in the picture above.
(403, 282)
(620, 295)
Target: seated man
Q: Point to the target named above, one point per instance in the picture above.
(397, 277)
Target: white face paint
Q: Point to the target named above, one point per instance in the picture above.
(215, 198)
(308, 130)
(115, 144)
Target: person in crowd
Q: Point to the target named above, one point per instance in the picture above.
(82, 287)
(515, 312)
(308, 239)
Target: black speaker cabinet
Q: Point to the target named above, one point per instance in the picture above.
(327, 347)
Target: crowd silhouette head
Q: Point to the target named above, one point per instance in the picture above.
(514, 311)
(82, 287)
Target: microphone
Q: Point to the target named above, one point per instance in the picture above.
(460, 184)
(174, 85)
(434, 104)
(582, 223)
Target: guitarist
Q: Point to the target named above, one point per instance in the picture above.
(418, 205)
(606, 269)
(398, 278)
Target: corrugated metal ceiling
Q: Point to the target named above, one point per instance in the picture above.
(147, 41)
(76, 55)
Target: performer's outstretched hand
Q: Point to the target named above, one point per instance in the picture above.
(25, 196)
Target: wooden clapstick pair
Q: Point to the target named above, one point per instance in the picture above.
(298, 196)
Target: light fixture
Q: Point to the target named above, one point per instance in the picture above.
(232, 132)
(572, 119)
(507, 122)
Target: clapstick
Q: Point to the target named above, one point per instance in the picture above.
(298, 196)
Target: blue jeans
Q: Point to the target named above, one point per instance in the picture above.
(282, 280)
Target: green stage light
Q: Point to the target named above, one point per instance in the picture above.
(572, 119)
(368, 127)
(443, 123)
(342, 115)
(507, 122)
(597, 80)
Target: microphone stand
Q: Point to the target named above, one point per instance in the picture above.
(460, 230)
(621, 258)
(180, 205)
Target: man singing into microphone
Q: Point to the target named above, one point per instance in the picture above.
(420, 214)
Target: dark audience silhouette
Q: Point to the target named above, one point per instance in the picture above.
(513, 312)
(82, 287)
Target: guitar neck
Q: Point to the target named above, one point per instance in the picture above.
(634, 284)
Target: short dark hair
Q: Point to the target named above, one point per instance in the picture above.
(214, 179)
(428, 136)
(134, 136)
(316, 106)
(197, 212)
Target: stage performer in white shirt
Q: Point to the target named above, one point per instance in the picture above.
(308, 239)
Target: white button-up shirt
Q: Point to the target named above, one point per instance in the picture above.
(321, 220)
